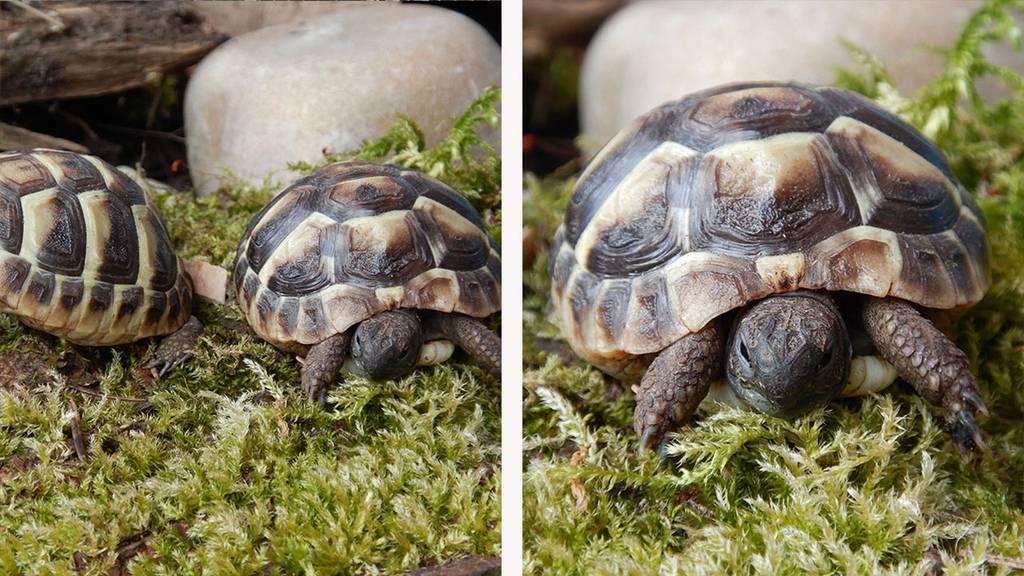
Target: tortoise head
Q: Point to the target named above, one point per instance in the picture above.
(789, 353)
(387, 345)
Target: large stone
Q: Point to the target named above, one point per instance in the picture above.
(652, 52)
(289, 92)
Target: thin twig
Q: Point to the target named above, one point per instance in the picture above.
(77, 437)
(139, 132)
(55, 23)
(106, 395)
(1015, 563)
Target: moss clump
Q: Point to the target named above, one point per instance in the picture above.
(223, 468)
(858, 487)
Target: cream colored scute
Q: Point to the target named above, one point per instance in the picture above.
(37, 222)
(100, 166)
(97, 230)
(390, 297)
(641, 186)
(453, 226)
(303, 239)
(756, 168)
(696, 309)
(371, 234)
(906, 163)
(782, 272)
(443, 292)
(147, 245)
(870, 276)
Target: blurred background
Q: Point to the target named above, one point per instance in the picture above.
(110, 78)
(591, 66)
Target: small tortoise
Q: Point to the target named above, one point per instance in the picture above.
(84, 256)
(373, 262)
(787, 236)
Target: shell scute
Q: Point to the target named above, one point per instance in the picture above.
(25, 174)
(55, 232)
(10, 221)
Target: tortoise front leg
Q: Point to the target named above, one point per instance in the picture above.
(931, 363)
(675, 383)
(472, 336)
(322, 364)
(176, 348)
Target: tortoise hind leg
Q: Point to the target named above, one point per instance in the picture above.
(176, 348)
(675, 384)
(472, 336)
(322, 364)
(931, 363)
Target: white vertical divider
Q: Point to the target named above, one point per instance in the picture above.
(512, 287)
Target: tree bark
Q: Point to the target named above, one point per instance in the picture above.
(67, 50)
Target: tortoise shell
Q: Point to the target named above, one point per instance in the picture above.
(729, 195)
(354, 239)
(83, 255)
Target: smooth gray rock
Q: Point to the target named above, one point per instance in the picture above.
(651, 52)
(289, 92)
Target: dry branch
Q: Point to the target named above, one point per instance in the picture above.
(103, 48)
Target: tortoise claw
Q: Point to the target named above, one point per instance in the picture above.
(648, 438)
(163, 365)
(654, 439)
(175, 349)
(966, 435)
(972, 398)
(317, 393)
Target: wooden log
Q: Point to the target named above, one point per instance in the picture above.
(63, 50)
(16, 138)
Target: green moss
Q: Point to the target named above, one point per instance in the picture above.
(858, 487)
(223, 468)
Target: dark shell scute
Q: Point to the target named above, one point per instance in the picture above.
(13, 275)
(77, 173)
(101, 297)
(62, 250)
(25, 175)
(306, 271)
(10, 220)
(41, 287)
(120, 263)
(72, 291)
(392, 257)
(757, 212)
(131, 300)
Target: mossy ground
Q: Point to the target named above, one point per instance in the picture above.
(223, 468)
(863, 486)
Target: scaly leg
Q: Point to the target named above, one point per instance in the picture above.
(321, 366)
(175, 349)
(472, 336)
(675, 383)
(931, 363)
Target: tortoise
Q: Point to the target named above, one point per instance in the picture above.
(375, 263)
(84, 256)
(779, 234)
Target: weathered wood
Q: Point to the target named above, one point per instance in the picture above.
(16, 138)
(102, 48)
